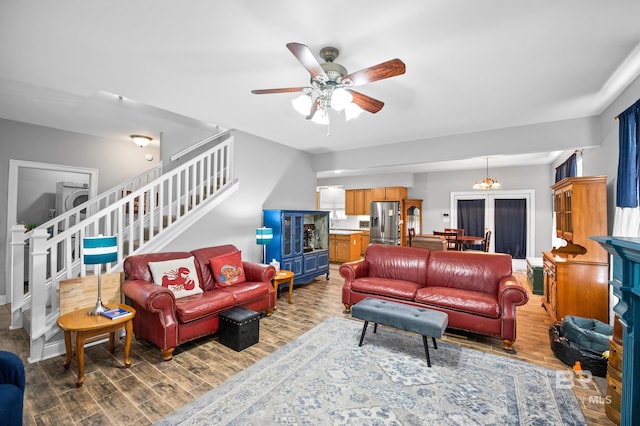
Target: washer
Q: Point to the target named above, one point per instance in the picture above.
(70, 195)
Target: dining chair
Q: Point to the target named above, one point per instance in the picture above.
(451, 237)
(412, 234)
(487, 241)
(459, 232)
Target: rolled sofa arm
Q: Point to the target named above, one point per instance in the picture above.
(150, 297)
(258, 272)
(511, 294)
(353, 270)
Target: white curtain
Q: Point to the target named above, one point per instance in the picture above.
(626, 222)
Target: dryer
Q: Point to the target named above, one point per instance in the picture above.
(70, 195)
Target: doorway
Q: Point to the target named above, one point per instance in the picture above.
(509, 215)
(32, 190)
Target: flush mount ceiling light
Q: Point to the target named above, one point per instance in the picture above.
(141, 140)
(331, 85)
(487, 183)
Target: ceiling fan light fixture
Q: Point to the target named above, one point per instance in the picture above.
(340, 99)
(328, 82)
(302, 104)
(321, 116)
(141, 140)
(352, 111)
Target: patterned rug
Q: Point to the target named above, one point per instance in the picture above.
(324, 378)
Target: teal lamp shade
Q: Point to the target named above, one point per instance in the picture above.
(97, 251)
(264, 236)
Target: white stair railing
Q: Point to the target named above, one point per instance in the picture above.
(141, 220)
(19, 295)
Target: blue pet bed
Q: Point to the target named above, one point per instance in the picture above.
(584, 340)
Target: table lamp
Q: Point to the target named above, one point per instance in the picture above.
(98, 251)
(264, 236)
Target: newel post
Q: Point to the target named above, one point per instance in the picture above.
(15, 286)
(38, 282)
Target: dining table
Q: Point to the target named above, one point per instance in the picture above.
(469, 240)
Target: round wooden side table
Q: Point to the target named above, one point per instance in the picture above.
(85, 326)
(282, 277)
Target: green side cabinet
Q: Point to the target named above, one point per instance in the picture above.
(534, 275)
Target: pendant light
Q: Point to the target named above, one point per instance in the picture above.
(487, 183)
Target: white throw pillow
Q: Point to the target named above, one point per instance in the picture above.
(178, 275)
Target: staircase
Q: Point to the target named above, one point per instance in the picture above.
(145, 214)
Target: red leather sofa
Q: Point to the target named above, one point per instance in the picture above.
(168, 322)
(477, 290)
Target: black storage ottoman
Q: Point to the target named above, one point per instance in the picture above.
(239, 328)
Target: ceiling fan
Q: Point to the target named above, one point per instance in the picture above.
(331, 85)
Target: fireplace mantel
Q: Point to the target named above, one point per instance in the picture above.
(625, 252)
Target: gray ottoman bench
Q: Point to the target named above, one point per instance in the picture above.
(425, 322)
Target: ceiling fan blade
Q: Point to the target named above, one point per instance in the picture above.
(365, 102)
(381, 71)
(306, 58)
(283, 90)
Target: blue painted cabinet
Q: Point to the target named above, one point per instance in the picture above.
(300, 242)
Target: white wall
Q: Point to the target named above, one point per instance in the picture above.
(545, 137)
(272, 176)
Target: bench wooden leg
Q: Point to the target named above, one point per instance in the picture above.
(426, 350)
(364, 330)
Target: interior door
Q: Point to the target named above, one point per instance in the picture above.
(506, 213)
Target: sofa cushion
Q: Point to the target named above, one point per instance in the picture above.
(202, 256)
(202, 305)
(178, 275)
(246, 292)
(480, 272)
(399, 289)
(474, 302)
(227, 269)
(398, 263)
(136, 267)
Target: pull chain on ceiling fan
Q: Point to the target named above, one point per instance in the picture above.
(331, 85)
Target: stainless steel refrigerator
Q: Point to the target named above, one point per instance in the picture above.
(384, 223)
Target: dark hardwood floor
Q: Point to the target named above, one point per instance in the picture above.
(151, 388)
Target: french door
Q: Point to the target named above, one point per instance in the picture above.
(509, 215)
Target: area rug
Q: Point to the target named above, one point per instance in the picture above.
(325, 378)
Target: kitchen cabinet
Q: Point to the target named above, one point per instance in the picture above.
(364, 241)
(575, 276)
(300, 242)
(390, 193)
(357, 202)
(344, 246)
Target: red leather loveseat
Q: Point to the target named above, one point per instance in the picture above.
(477, 290)
(167, 321)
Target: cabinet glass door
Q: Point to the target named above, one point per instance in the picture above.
(296, 233)
(291, 234)
(287, 220)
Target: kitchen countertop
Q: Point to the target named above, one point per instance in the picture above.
(344, 231)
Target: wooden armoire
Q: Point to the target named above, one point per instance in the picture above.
(576, 275)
